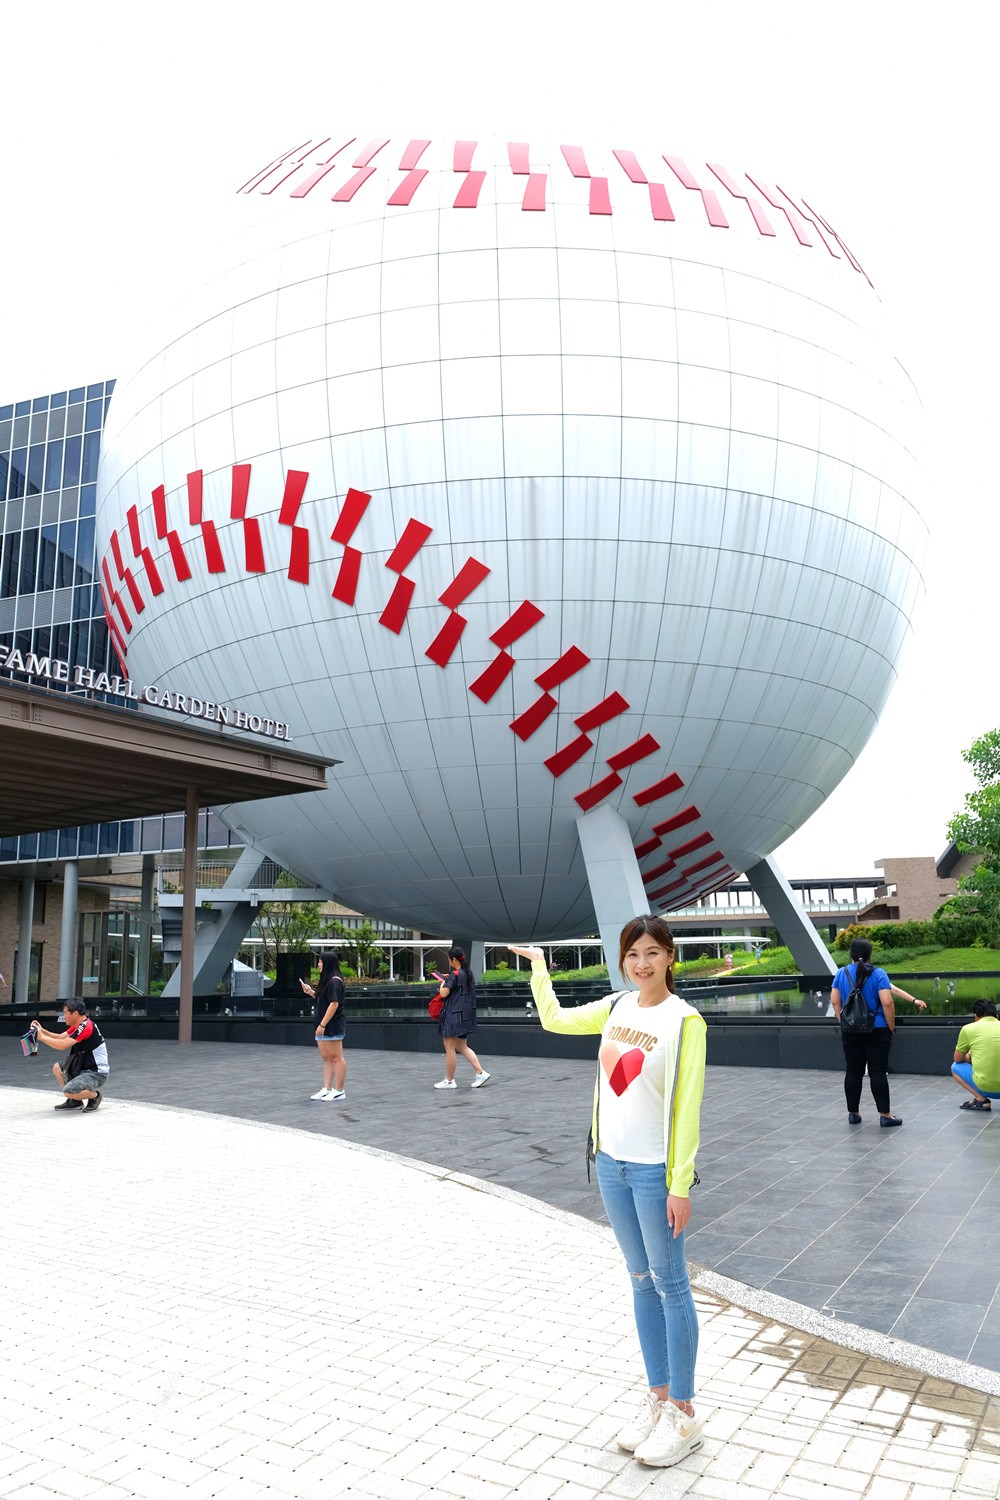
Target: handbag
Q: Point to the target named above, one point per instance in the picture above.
(436, 1008)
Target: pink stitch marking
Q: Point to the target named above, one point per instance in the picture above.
(600, 198)
(412, 155)
(771, 195)
(575, 160)
(462, 159)
(630, 166)
(759, 216)
(713, 208)
(534, 194)
(659, 203)
(468, 193)
(321, 171)
(369, 153)
(403, 194)
(517, 155)
(346, 193)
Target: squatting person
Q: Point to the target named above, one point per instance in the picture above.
(85, 1073)
(977, 1057)
(645, 1133)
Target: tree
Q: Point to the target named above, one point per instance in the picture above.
(362, 942)
(285, 926)
(976, 830)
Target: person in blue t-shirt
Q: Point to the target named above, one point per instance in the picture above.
(869, 1048)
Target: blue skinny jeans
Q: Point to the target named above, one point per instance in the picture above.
(635, 1196)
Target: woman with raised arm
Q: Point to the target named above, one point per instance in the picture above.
(645, 1134)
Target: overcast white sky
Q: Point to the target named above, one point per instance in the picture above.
(127, 127)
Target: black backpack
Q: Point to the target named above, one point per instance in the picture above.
(855, 1015)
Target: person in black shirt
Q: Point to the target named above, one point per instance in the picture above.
(86, 1071)
(458, 1020)
(330, 1025)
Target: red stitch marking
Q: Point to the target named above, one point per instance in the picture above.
(679, 820)
(412, 155)
(600, 198)
(295, 484)
(320, 172)
(818, 219)
(572, 661)
(152, 573)
(517, 155)
(713, 208)
(404, 193)
(664, 869)
(771, 195)
(346, 587)
(394, 614)
(346, 193)
(703, 864)
(759, 216)
(134, 535)
(466, 581)
(569, 754)
(178, 558)
(691, 846)
(533, 717)
(645, 745)
(525, 617)
(575, 160)
(598, 791)
(354, 506)
(371, 150)
(534, 194)
(240, 489)
(641, 850)
(462, 159)
(213, 551)
(468, 193)
(295, 166)
(117, 554)
(272, 166)
(253, 547)
(660, 203)
(671, 783)
(298, 556)
(630, 166)
(106, 572)
(489, 682)
(160, 511)
(442, 647)
(194, 497)
(666, 889)
(133, 592)
(601, 713)
(409, 544)
(116, 600)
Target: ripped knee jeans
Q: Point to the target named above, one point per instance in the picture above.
(635, 1196)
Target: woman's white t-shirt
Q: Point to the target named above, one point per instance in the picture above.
(632, 1064)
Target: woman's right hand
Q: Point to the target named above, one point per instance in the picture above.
(532, 954)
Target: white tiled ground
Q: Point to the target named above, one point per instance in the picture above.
(196, 1306)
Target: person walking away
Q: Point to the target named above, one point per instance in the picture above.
(977, 1058)
(645, 1133)
(870, 1048)
(330, 1023)
(86, 1072)
(457, 1021)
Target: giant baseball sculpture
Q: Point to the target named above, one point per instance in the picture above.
(524, 481)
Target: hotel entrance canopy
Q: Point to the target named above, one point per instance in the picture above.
(66, 761)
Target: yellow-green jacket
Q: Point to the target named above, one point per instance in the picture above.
(685, 1081)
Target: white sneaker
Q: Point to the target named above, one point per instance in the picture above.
(444, 1084)
(480, 1079)
(638, 1430)
(673, 1438)
(323, 1094)
(335, 1096)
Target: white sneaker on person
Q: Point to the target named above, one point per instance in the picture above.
(323, 1094)
(673, 1438)
(642, 1424)
(335, 1096)
(480, 1079)
(446, 1084)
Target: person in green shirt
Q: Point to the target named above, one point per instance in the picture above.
(977, 1057)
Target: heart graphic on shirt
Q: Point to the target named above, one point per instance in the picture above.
(621, 1068)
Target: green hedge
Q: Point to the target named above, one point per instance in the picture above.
(947, 932)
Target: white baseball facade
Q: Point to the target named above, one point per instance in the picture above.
(523, 481)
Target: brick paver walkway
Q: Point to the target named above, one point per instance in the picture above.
(197, 1306)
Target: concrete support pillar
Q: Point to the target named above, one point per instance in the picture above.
(790, 918)
(477, 957)
(67, 932)
(613, 875)
(186, 1005)
(26, 917)
(146, 923)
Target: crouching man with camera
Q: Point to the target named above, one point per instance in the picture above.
(86, 1070)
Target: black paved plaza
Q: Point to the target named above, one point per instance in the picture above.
(893, 1229)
